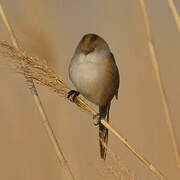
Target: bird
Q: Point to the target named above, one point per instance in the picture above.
(95, 75)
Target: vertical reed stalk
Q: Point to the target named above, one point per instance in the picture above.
(160, 83)
(174, 13)
(59, 153)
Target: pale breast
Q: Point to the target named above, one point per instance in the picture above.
(92, 79)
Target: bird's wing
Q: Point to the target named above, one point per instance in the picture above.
(118, 75)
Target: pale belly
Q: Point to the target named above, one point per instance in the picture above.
(89, 79)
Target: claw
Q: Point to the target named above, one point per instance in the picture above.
(72, 94)
(96, 119)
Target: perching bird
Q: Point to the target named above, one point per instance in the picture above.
(94, 73)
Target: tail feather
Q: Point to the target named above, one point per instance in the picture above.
(103, 131)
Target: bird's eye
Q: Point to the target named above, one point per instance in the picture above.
(92, 49)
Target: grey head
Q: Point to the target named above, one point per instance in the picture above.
(92, 43)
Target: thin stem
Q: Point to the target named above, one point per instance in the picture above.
(174, 13)
(160, 83)
(39, 105)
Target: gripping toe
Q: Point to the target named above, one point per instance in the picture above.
(72, 95)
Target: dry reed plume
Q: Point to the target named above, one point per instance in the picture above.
(41, 72)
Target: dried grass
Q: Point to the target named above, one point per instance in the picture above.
(32, 88)
(44, 74)
(174, 13)
(164, 98)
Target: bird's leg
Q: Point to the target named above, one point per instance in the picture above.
(73, 94)
(96, 119)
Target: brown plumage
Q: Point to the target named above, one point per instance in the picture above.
(94, 73)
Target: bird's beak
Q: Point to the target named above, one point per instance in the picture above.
(85, 52)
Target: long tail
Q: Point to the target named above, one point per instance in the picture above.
(103, 131)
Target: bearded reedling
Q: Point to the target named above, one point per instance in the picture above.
(94, 73)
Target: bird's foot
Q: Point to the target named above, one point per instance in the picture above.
(96, 119)
(72, 95)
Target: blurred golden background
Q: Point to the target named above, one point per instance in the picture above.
(51, 30)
